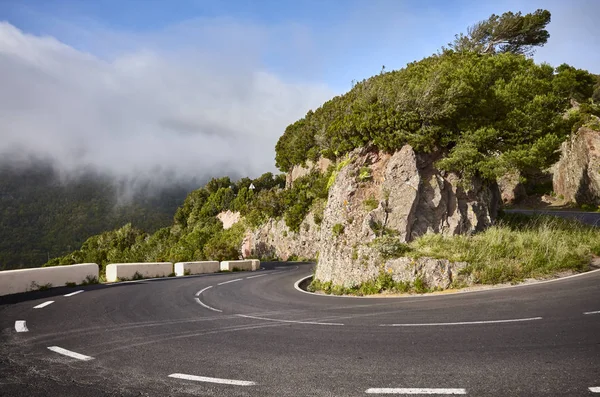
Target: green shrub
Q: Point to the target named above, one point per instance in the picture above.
(337, 229)
(390, 247)
(365, 174)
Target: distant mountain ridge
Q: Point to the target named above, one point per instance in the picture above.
(42, 216)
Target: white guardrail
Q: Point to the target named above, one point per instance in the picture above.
(23, 280)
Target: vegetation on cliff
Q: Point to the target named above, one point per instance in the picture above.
(488, 112)
(481, 104)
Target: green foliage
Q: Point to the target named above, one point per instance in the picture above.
(337, 229)
(299, 199)
(390, 247)
(44, 216)
(70, 284)
(225, 245)
(485, 114)
(365, 174)
(506, 33)
(516, 248)
(384, 282)
(370, 204)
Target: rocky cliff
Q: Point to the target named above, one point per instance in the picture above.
(377, 202)
(576, 177)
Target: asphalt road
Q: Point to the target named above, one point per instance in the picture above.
(254, 334)
(590, 218)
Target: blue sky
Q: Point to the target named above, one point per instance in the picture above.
(120, 84)
(328, 41)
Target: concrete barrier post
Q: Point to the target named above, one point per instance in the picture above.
(237, 265)
(23, 280)
(185, 268)
(129, 271)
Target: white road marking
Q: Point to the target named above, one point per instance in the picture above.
(208, 307)
(74, 293)
(595, 389)
(202, 290)
(230, 281)
(43, 304)
(204, 304)
(459, 292)
(260, 275)
(414, 391)
(213, 380)
(598, 312)
(286, 321)
(69, 353)
(515, 320)
(20, 326)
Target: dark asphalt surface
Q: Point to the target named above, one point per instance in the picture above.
(140, 333)
(590, 218)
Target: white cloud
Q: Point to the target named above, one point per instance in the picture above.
(205, 107)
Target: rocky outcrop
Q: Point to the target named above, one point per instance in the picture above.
(403, 195)
(228, 218)
(275, 240)
(511, 189)
(434, 273)
(299, 171)
(576, 177)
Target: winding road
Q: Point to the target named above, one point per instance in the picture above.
(255, 334)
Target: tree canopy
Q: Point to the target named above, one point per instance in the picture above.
(510, 32)
(485, 113)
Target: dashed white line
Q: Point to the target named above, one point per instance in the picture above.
(260, 275)
(414, 391)
(69, 353)
(286, 321)
(74, 293)
(41, 305)
(597, 312)
(230, 281)
(21, 326)
(213, 380)
(514, 320)
(595, 389)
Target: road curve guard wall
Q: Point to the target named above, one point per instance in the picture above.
(128, 271)
(185, 268)
(23, 280)
(239, 265)
(255, 264)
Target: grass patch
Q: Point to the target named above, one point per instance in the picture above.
(370, 204)
(70, 284)
(383, 283)
(518, 247)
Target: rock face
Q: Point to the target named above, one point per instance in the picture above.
(576, 176)
(228, 218)
(299, 171)
(401, 196)
(435, 273)
(404, 195)
(511, 190)
(275, 240)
